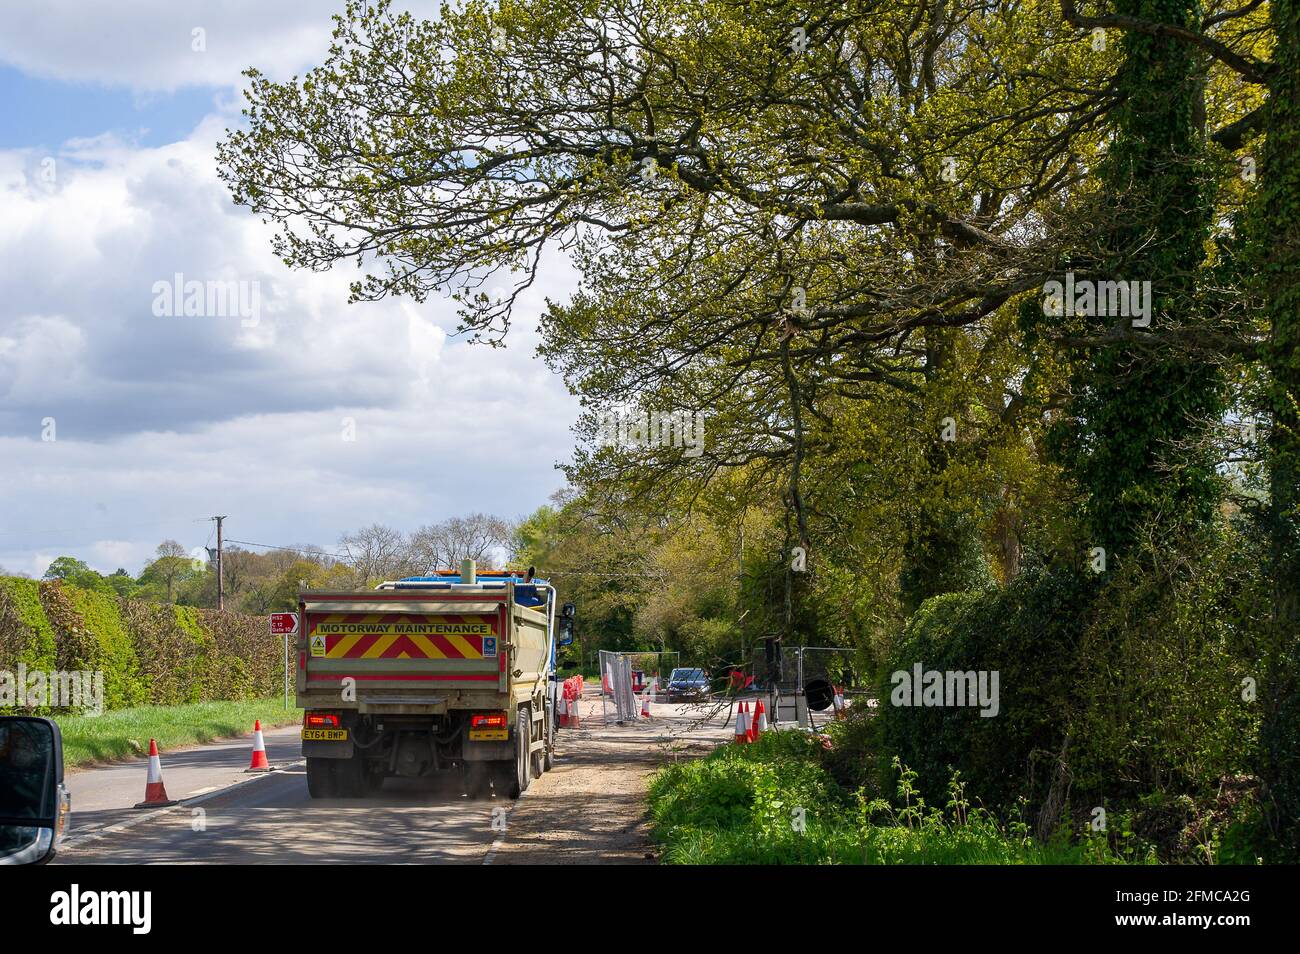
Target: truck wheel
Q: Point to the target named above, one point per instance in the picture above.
(523, 758)
(548, 760)
(320, 778)
(350, 777)
(537, 760)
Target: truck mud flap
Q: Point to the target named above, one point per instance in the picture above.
(327, 750)
(488, 751)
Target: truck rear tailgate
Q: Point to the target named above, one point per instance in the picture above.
(411, 641)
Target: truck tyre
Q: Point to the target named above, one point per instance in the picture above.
(523, 757)
(537, 760)
(350, 777)
(347, 777)
(548, 760)
(320, 778)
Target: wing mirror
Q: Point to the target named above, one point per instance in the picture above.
(567, 614)
(34, 802)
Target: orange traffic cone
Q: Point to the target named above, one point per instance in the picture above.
(760, 720)
(259, 763)
(155, 795)
(562, 712)
(645, 705)
(742, 725)
(573, 712)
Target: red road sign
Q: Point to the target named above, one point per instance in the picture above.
(284, 624)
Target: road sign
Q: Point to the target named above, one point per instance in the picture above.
(284, 624)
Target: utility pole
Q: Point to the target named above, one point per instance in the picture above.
(221, 599)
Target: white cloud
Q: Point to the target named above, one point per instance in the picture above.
(149, 45)
(35, 355)
(118, 553)
(164, 421)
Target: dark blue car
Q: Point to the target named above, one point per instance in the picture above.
(687, 684)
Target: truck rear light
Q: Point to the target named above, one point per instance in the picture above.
(321, 720)
(487, 720)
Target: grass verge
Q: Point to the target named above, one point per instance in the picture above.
(773, 803)
(120, 733)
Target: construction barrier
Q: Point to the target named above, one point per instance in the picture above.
(616, 673)
(570, 693)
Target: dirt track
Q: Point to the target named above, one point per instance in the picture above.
(590, 808)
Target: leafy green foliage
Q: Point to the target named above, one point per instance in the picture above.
(25, 634)
(836, 250)
(1115, 692)
(114, 651)
(774, 802)
(1027, 633)
(74, 571)
(150, 653)
(1274, 277)
(1136, 413)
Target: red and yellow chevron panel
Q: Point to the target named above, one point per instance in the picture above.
(394, 636)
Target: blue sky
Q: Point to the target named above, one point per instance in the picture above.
(43, 113)
(121, 426)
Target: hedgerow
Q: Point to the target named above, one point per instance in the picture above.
(149, 653)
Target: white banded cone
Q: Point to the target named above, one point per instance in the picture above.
(742, 725)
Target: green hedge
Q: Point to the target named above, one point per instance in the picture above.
(150, 653)
(1123, 692)
(1027, 633)
(98, 616)
(25, 634)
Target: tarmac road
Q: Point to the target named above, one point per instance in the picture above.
(589, 809)
(272, 820)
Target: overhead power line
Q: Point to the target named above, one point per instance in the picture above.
(271, 546)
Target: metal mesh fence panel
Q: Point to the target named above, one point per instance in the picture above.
(616, 684)
(826, 678)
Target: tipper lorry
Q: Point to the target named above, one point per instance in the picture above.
(453, 672)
